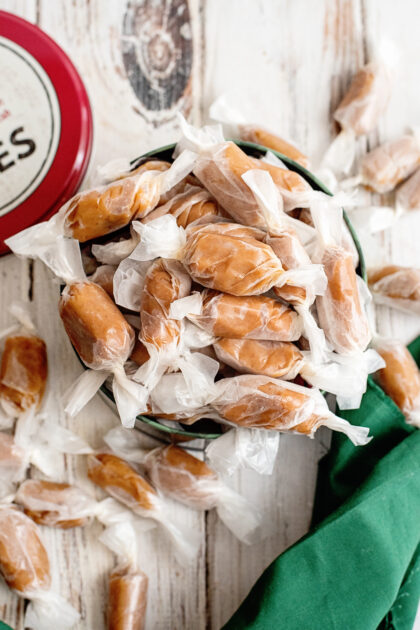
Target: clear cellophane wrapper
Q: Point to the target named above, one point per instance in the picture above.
(266, 403)
(94, 213)
(127, 585)
(184, 478)
(220, 165)
(244, 448)
(341, 311)
(400, 377)
(397, 287)
(125, 484)
(62, 505)
(26, 569)
(27, 395)
(359, 111)
(191, 206)
(383, 168)
(104, 340)
(337, 375)
(221, 110)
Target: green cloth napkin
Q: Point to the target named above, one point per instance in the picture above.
(359, 567)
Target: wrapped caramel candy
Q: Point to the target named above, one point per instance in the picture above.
(400, 378)
(249, 317)
(187, 479)
(125, 484)
(240, 266)
(96, 328)
(127, 599)
(54, 504)
(267, 403)
(219, 256)
(220, 166)
(23, 373)
(104, 276)
(193, 205)
(25, 567)
(358, 114)
(258, 135)
(341, 312)
(396, 286)
(222, 111)
(104, 341)
(165, 282)
(183, 477)
(127, 585)
(92, 214)
(366, 99)
(280, 359)
(383, 168)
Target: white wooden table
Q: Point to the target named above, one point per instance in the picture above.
(287, 62)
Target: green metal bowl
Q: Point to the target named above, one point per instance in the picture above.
(255, 150)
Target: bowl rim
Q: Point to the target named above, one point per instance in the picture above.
(314, 182)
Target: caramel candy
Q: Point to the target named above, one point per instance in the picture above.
(104, 276)
(400, 378)
(279, 359)
(121, 481)
(140, 354)
(194, 205)
(396, 286)
(127, 599)
(54, 504)
(220, 260)
(263, 403)
(221, 173)
(258, 135)
(23, 372)
(24, 561)
(340, 311)
(183, 477)
(408, 194)
(103, 210)
(253, 317)
(97, 212)
(365, 100)
(96, 328)
(166, 281)
(389, 164)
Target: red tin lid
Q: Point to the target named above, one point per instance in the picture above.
(45, 126)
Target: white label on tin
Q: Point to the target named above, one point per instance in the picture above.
(30, 124)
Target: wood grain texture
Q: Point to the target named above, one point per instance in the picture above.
(286, 64)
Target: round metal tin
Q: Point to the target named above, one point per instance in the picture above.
(46, 126)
